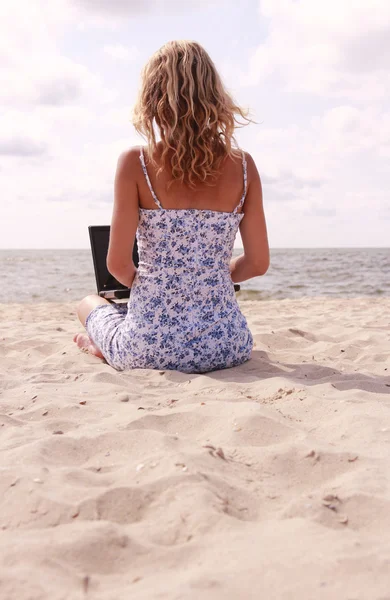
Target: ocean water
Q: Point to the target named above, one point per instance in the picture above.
(67, 275)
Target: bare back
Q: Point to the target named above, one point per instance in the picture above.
(223, 196)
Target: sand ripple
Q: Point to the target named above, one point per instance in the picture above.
(268, 480)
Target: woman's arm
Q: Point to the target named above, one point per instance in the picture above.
(124, 221)
(253, 230)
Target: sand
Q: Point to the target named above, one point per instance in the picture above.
(266, 481)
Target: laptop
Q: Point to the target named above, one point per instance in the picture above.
(107, 286)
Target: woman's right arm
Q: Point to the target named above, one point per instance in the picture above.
(253, 230)
(124, 220)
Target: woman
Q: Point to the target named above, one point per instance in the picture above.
(184, 197)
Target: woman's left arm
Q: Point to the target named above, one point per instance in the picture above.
(124, 221)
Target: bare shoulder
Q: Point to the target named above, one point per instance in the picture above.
(128, 159)
(253, 173)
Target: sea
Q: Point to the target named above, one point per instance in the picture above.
(68, 275)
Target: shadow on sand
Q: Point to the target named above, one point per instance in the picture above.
(260, 367)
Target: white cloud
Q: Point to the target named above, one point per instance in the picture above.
(341, 133)
(122, 53)
(22, 135)
(114, 7)
(333, 48)
(110, 15)
(20, 146)
(334, 165)
(51, 136)
(322, 153)
(123, 8)
(33, 69)
(28, 26)
(46, 80)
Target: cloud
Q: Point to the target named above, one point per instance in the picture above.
(58, 89)
(333, 48)
(332, 163)
(311, 150)
(47, 80)
(103, 13)
(321, 211)
(33, 69)
(122, 53)
(291, 180)
(21, 147)
(22, 135)
(115, 7)
(322, 149)
(28, 27)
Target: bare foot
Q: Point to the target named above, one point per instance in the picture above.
(86, 344)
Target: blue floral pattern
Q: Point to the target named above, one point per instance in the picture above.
(182, 313)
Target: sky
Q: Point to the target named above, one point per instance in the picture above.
(315, 76)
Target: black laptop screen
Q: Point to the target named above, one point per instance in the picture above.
(99, 236)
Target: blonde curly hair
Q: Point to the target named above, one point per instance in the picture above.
(183, 95)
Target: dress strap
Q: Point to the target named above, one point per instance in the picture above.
(244, 168)
(142, 159)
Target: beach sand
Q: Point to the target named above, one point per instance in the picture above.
(266, 481)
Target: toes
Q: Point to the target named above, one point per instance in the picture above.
(85, 344)
(82, 340)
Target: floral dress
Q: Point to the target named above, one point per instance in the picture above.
(182, 313)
